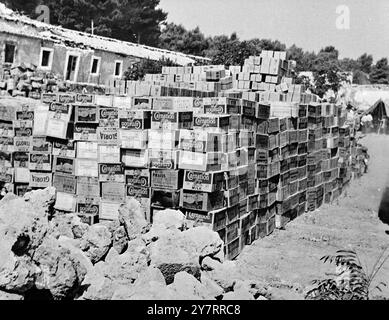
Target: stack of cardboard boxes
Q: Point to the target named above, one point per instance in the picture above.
(241, 163)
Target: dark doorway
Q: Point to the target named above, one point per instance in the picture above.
(71, 68)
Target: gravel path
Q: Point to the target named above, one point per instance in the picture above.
(288, 261)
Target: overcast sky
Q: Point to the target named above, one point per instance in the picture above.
(310, 24)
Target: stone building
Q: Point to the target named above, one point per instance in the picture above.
(74, 56)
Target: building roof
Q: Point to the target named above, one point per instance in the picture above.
(14, 23)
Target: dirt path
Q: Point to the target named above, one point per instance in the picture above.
(288, 261)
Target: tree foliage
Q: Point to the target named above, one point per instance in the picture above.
(351, 281)
(127, 20)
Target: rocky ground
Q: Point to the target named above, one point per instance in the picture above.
(286, 262)
(48, 255)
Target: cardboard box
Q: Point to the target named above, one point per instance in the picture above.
(39, 161)
(65, 202)
(215, 123)
(202, 201)
(205, 182)
(200, 141)
(165, 198)
(20, 160)
(64, 165)
(87, 150)
(60, 111)
(133, 139)
(167, 179)
(113, 192)
(64, 148)
(171, 120)
(88, 187)
(109, 154)
(85, 132)
(41, 145)
(134, 119)
(135, 158)
(87, 168)
(109, 172)
(40, 179)
(138, 177)
(163, 159)
(22, 175)
(109, 210)
(142, 103)
(65, 183)
(86, 114)
(212, 161)
(163, 139)
(108, 136)
(108, 117)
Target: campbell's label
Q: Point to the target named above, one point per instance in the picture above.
(192, 145)
(135, 124)
(200, 177)
(84, 128)
(137, 181)
(40, 158)
(49, 97)
(6, 141)
(84, 98)
(84, 208)
(23, 132)
(138, 192)
(215, 109)
(111, 169)
(162, 164)
(108, 113)
(22, 115)
(198, 217)
(5, 177)
(60, 108)
(66, 98)
(159, 116)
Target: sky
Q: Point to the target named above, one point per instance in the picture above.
(310, 24)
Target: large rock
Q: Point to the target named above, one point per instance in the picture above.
(61, 273)
(120, 240)
(172, 254)
(98, 286)
(149, 286)
(169, 219)
(42, 200)
(4, 296)
(224, 274)
(23, 227)
(132, 218)
(17, 274)
(187, 287)
(238, 295)
(96, 242)
(127, 267)
(68, 225)
(184, 251)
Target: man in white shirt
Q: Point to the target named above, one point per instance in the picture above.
(367, 123)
